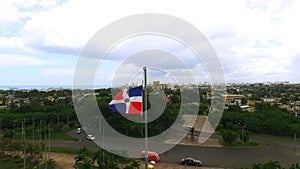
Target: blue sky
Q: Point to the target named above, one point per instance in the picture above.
(41, 40)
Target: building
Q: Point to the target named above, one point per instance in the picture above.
(234, 99)
(157, 85)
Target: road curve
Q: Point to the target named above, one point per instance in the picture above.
(284, 151)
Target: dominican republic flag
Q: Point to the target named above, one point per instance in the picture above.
(128, 101)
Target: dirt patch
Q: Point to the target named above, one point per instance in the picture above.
(63, 161)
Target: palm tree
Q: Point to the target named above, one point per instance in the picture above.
(135, 164)
(295, 166)
(82, 161)
(273, 165)
(268, 165)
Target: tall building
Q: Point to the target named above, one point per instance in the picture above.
(157, 85)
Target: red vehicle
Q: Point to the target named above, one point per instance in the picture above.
(152, 156)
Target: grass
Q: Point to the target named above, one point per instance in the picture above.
(64, 150)
(277, 138)
(61, 136)
(239, 144)
(56, 134)
(7, 162)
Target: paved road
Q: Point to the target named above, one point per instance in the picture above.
(284, 151)
(234, 157)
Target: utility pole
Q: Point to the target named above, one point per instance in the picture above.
(49, 141)
(23, 140)
(33, 130)
(68, 119)
(295, 136)
(14, 125)
(145, 118)
(40, 141)
(1, 132)
(242, 126)
(243, 135)
(24, 130)
(45, 136)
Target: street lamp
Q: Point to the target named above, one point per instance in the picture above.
(242, 126)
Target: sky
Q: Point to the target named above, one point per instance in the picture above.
(41, 40)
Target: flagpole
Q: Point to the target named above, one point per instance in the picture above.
(145, 118)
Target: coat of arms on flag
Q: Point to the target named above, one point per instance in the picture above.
(128, 101)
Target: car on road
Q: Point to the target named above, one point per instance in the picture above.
(78, 130)
(191, 162)
(152, 156)
(90, 137)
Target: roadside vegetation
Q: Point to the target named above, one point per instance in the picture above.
(100, 159)
(272, 165)
(63, 150)
(42, 112)
(38, 113)
(20, 154)
(236, 126)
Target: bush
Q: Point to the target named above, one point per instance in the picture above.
(6, 159)
(19, 161)
(229, 136)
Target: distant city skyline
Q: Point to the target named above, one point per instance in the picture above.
(256, 41)
(151, 83)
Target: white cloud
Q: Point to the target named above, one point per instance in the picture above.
(74, 22)
(43, 3)
(11, 60)
(254, 39)
(67, 72)
(69, 25)
(9, 14)
(12, 11)
(12, 43)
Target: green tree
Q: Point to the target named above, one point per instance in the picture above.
(244, 136)
(105, 159)
(51, 164)
(82, 160)
(295, 166)
(136, 165)
(268, 165)
(229, 136)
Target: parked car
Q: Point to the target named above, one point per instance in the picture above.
(78, 130)
(152, 156)
(191, 162)
(90, 137)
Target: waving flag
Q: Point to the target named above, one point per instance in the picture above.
(128, 101)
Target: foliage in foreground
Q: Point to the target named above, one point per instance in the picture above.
(18, 154)
(272, 165)
(103, 159)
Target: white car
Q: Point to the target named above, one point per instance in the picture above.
(78, 130)
(90, 137)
